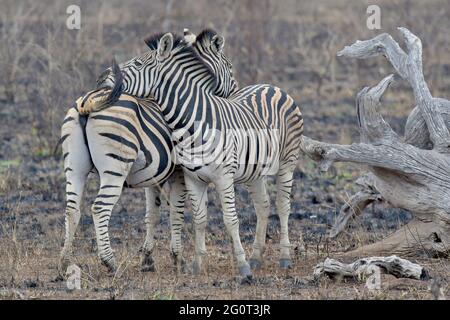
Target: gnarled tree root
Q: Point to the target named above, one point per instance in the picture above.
(416, 238)
(356, 204)
(409, 176)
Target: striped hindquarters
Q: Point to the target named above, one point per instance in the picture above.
(131, 131)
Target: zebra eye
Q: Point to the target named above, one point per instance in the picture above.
(138, 63)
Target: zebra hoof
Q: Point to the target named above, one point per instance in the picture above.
(111, 266)
(186, 269)
(246, 275)
(285, 264)
(63, 264)
(255, 264)
(148, 268)
(183, 269)
(245, 271)
(148, 264)
(196, 269)
(247, 280)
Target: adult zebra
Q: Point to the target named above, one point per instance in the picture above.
(127, 143)
(123, 135)
(254, 133)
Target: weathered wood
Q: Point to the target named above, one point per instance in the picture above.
(412, 176)
(418, 238)
(390, 282)
(416, 131)
(409, 67)
(362, 268)
(356, 204)
(408, 176)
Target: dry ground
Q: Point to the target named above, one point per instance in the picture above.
(32, 234)
(31, 272)
(44, 67)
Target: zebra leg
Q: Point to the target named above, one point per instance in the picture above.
(261, 201)
(225, 188)
(77, 164)
(177, 200)
(283, 202)
(152, 217)
(198, 192)
(74, 193)
(113, 165)
(107, 197)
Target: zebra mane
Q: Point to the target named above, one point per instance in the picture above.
(206, 34)
(178, 42)
(153, 40)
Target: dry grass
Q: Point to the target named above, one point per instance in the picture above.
(31, 269)
(45, 67)
(32, 233)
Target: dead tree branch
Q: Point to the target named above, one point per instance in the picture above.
(406, 176)
(356, 204)
(409, 67)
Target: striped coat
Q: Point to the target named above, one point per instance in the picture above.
(254, 133)
(128, 143)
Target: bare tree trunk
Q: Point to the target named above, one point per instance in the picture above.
(405, 175)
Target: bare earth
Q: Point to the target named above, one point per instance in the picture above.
(40, 81)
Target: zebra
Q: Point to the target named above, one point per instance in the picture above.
(183, 85)
(112, 108)
(129, 144)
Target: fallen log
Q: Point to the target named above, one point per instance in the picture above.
(363, 268)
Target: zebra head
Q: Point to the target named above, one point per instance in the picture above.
(140, 73)
(209, 46)
(136, 74)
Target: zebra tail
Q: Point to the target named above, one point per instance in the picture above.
(55, 154)
(118, 84)
(95, 103)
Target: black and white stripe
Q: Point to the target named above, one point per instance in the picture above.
(130, 141)
(255, 133)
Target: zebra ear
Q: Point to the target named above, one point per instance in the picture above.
(165, 45)
(217, 43)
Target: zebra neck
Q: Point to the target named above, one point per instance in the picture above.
(186, 103)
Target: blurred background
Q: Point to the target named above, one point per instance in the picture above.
(45, 67)
(289, 43)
